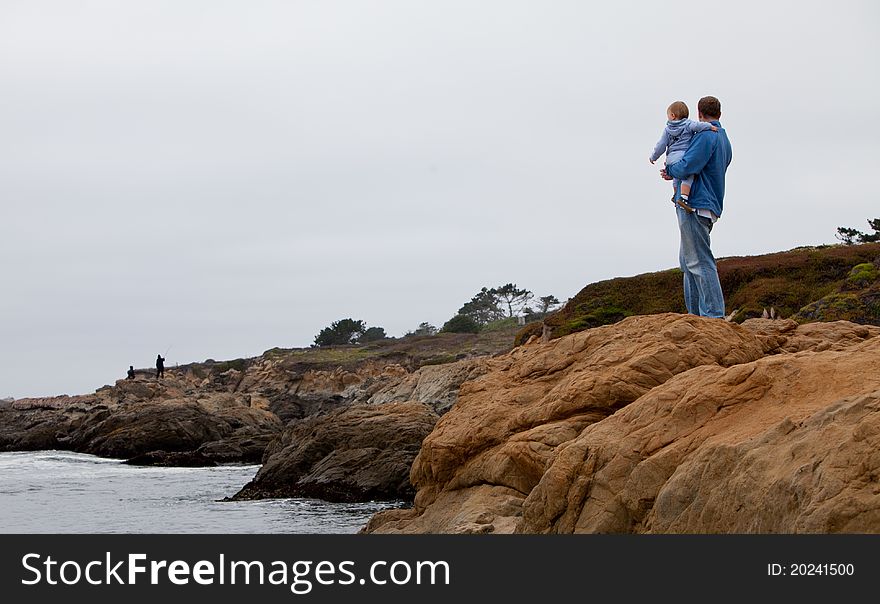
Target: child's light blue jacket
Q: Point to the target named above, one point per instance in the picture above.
(677, 136)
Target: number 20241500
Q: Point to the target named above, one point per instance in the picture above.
(811, 569)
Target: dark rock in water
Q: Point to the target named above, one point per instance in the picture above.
(187, 459)
(172, 426)
(247, 448)
(359, 453)
(234, 449)
(137, 430)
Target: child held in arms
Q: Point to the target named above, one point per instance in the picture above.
(674, 141)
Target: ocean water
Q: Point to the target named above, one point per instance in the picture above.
(62, 492)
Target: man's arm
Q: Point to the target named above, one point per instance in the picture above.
(695, 158)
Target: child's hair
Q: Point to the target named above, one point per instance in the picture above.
(679, 110)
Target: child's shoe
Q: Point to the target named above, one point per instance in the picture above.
(683, 204)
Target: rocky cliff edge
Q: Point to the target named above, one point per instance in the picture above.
(661, 423)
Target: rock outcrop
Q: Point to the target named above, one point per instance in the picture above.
(357, 453)
(174, 425)
(362, 449)
(219, 412)
(138, 417)
(663, 423)
(433, 385)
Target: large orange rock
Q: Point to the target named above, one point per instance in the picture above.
(664, 423)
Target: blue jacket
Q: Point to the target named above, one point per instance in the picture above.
(677, 136)
(707, 159)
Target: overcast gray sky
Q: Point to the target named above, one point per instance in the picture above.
(224, 177)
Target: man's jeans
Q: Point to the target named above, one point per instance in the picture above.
(702, 290)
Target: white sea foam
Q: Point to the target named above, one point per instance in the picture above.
(63, 492)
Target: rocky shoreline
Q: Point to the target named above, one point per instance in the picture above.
(657, 423)
(661, 424)
(337, 433)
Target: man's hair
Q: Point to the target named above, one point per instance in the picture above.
(679, 110)
(709, 106)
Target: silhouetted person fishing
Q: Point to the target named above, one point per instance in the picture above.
(160, 366)
(131, 372)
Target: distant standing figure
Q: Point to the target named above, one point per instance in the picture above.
(131, 372)
(160, 366)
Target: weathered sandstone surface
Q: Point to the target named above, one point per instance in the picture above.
(433, 385)
(661, 423)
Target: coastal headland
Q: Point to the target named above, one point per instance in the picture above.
(617, 413)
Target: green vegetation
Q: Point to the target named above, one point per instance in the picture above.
(862, 275)
(823, 283)
(504, 302)
(373, 334)
(344, 331)
(460, 324)
(500, 325)
(348, 331)
(410, 352)
(424, 329)
(807, 284)
(337, 355)
(237, 364)
(547, 303)
(516, 299)
(833, 307)
(594, 314)
(852, 236)
(483, 307)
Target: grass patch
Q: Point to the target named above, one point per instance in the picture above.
(787, 281)
(500, 325)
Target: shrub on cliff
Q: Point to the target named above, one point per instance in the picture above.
(373, 334)
(483, 308)
(460, 324)
(862, 275)
(424, 329)
(344, 331)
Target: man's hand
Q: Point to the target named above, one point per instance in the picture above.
(664, 175)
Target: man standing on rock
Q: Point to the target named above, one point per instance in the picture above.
(706, 159)
(160, 366)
